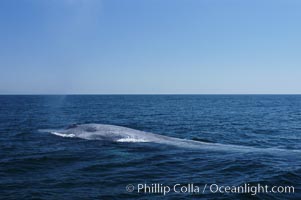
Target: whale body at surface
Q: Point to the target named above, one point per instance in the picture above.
(112, 133)
(115, 133)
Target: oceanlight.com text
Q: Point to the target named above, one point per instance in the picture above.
(191, 188)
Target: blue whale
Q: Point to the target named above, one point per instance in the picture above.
(123, 134)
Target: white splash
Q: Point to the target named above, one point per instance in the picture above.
(63, 135)
(131, 140)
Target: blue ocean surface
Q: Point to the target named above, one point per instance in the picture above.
(93, 146)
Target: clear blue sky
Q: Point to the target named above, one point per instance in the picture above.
(150, 46)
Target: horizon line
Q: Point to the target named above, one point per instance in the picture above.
(77, 94)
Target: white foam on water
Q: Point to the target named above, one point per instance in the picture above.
(128, 139)
(63, 135)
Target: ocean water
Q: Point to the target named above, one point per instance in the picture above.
(93, 146)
